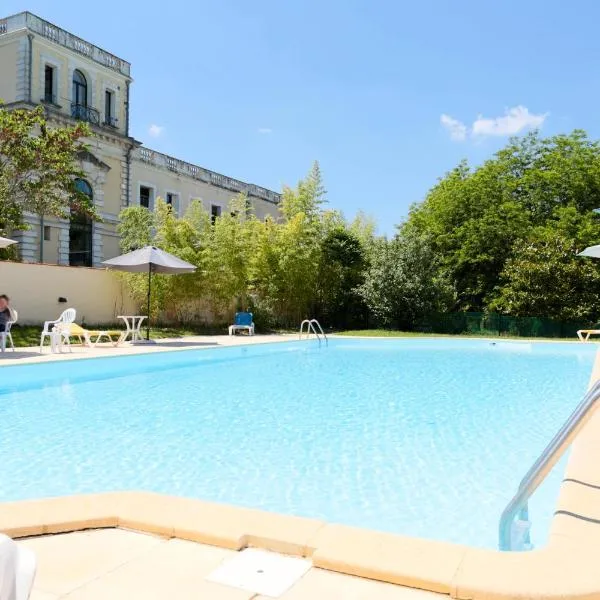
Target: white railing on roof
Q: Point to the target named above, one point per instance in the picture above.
(27, 20)
(179, 166)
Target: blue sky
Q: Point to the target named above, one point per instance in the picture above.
(387, 95)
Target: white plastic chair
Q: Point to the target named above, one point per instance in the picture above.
(60, 327)
(18, 566)
(6, 333)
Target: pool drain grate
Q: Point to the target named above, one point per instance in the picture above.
(259, 571)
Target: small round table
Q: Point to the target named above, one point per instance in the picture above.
(133, 323)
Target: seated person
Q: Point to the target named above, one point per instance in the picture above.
(6, 313)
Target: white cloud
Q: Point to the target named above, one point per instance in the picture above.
(264, 130)
(514, 121)
(457, 130)
(155, 130)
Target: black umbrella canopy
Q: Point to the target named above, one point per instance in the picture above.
(149, 260)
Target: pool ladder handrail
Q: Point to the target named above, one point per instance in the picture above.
(310, 325)
(542, 466)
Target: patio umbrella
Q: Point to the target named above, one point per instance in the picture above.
(152, 260)
(4, 242)
(592, 251)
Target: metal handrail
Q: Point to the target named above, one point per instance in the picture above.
(315, 322)
(541, 467)
(310, 324)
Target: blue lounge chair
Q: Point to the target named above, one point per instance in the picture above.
(242, 321)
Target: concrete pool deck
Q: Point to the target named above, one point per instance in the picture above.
(32, 355)
(123, 565)
(347, 562)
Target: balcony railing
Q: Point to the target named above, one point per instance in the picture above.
(85, 113)
(27, 20)
(48, 98)
(179, 166)
(111, 122)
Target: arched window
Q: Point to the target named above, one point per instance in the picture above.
(80, 232)
(81, 185)
(80, 89)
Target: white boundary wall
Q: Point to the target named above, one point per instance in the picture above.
(98, 295)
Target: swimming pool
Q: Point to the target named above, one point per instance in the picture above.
(424, 437)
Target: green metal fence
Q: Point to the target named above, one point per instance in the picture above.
(500, 325)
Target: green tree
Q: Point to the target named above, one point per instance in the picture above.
(545, 277)
(341, 272)
(228, 253)
(403, 283)
(307, 198)
(286, 266)
(476, 217)
(308, 262)
(135, 228)
(38, 167)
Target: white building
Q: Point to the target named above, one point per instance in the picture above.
(41, 63)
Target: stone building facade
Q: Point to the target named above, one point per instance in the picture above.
(41, 63)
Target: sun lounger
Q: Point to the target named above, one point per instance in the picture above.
(584, 334)
(85, 335)
(242, 321)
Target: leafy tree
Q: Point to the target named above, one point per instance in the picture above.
(135, 228)
(341, 272)
(307, 198)
(545, 277)
(230, 245)
(38, 167)
(286, 266)
(306, 263)
(475, 218)
(363, 228)
(403, 283)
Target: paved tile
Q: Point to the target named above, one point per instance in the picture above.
(121, 565)
(68, 561)
(319, 584)
(32, 355)
(108, 589)
(173, 569)
(37, 595)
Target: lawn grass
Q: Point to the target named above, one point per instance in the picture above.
(29, 335)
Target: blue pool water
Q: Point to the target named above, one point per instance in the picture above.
(422, 437)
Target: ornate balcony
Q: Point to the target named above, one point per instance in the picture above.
(85, 113)
(49, 98)
(112, 122)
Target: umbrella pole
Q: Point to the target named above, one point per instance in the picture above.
(149, 290)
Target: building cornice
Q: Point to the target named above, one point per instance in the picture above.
(29, 21)
(164, 161)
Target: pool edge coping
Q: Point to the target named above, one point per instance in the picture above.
(61, 357)
(278, 338)
(566, 567)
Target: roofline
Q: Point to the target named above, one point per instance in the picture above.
(29, 14)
